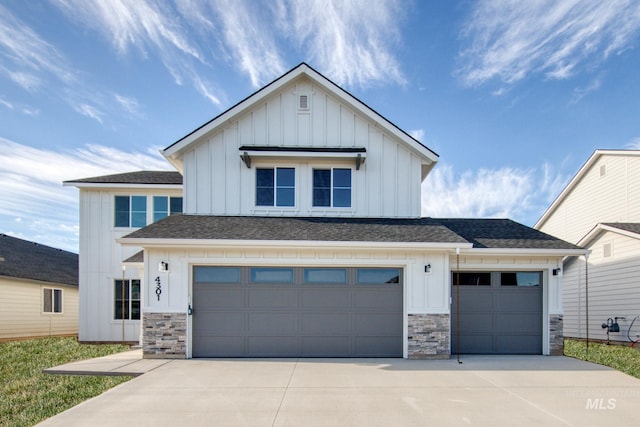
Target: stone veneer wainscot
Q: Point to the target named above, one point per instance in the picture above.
(164, 335)
(556, 335)
(428, 336)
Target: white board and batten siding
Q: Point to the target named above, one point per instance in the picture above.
(22, 305)
(100, 261)
(607, 192)
(614, 288)
(218, 182)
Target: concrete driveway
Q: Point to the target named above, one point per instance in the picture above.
(483, 390)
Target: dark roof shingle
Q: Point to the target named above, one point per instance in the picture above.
(29, 260)
(139, 177)
(633, 227)
(482, 233)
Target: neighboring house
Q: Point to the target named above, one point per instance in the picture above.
(39, 286)
(600, 210)
(301, 236)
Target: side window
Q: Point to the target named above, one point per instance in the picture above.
(332, 188)
(127, 300)
(275, 187)
(164, 206)
(130, 211)
(52, 300)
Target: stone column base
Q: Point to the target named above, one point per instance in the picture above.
(429, 336)
(556, 335)
(164, 335)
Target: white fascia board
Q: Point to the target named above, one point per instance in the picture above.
(112, 185)
(430, 157)
(185, 243)
(238, 108)
(576, 179)
(599, 228)
(524, 252)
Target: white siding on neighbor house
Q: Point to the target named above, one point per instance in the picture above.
(612, 197)
(218, 182)
(614, 288)
(100, 262)
(21, 310)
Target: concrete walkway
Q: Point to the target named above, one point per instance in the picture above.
(483, 390)
(128, 363)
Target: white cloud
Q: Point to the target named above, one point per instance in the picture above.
(417, 134)
(130, 105)
(634, 144)
(508, 41)
(6, 104)
(353, 42)
(90, 111)
(579, 93)
(521, 194)
(36, 206)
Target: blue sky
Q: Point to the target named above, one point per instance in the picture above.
(513, 96)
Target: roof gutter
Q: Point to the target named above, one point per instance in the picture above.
(213, 243)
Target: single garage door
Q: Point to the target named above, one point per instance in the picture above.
(500, 313)
(297, 312)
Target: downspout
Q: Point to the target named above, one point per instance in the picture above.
(586, 299)
(458, 304)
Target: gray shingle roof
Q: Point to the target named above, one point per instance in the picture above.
(139, 177)
(483, 233)
(633, 227)
(503, 233)
(29, 260)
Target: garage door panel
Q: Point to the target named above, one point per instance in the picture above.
(380, 298)
(475, 301)
(326, 346)
(326, 298)
(266, 297)
(474, 343)
(272, 346)
(297, 319)
(326, 323)
(273, 323)
(476, 322)
(220, 321)
(518, 343)
(517, 300)
(496, 318)
(224, 297)
(390, 346)
(376, 323)
(218, 346)
(517, 322)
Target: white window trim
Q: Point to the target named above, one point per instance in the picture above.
(331, 208)
(274, 207)
(53, 301)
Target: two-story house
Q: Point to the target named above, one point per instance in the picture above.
(301, 235)
(600, 210)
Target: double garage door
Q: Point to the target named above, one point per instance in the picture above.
(297, 312)
(496, 313)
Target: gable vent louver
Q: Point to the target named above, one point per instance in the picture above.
(303, 102)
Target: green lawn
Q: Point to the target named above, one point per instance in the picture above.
(28, 396)
(622, 358)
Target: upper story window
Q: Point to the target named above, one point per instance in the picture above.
(164, 206)
(332, 188)
(275, 187)
(130, 211)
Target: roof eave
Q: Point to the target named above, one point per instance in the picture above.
(527, 251)
(121, 185)
(228, 243)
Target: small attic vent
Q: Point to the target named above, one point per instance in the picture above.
(303, 102)
(603, 170)
(607, 250)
